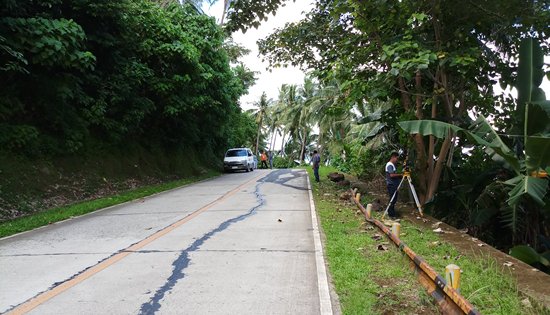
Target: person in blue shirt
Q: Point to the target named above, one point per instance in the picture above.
(392, 182)
(316, 159)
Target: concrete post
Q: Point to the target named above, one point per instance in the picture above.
(396, 228)
(452, 275)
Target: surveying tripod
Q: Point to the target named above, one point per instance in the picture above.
(406, 175)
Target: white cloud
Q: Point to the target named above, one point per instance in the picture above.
(267, 81)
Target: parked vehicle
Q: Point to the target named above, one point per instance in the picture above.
(239, 159)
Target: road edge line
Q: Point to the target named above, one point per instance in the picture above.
(322, 277)
(63, 286)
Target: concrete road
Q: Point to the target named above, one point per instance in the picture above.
(242, 243)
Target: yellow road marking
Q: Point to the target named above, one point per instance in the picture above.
(45, 296)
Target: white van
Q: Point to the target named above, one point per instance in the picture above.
(239, 159)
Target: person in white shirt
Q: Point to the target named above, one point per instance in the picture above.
(392, 182)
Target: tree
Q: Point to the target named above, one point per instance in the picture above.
(71, 84)
(332, 116)
(417, 54)
(296, 101)
(260, 115)
(532, 116)
(274, 122)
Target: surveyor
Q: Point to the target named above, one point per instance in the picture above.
(392, 182)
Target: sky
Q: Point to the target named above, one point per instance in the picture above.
(267, 81)
(271, 81)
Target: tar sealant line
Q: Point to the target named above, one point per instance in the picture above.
(322, 279)
(182, 262)
(61, 286)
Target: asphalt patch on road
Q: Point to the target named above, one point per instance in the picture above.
(283, 176)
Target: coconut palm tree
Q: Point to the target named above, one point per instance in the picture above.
(296, 115)
(274, 120)
(332, 116)
(308, 94)
(282, 105)
(260, 114)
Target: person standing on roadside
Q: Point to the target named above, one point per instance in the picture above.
(263, 158)
(316, 160)
(270, 158)
(392, 182)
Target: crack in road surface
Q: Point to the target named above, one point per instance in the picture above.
(60, 286)
(182, 262)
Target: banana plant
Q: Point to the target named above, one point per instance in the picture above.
(370, 126)
(532, 161)
(530, 256)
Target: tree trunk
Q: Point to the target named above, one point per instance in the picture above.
(225, 7)
(434, 180)
(302, 151)
(270, 144)
(258, 135)
(319, 146)
(421, 168)
(419, 143)
(404, 94)
(283, 144)
(431, 145)
(451, 153)
(418, 85)
(274, 140)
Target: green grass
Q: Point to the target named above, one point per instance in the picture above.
(486, 284)
(369, 281)
(62, 213)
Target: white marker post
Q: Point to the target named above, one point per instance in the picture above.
(396, 228)
(452, 275)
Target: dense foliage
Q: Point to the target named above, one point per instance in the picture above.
(416, 55)
(81, 75)
(439, 61)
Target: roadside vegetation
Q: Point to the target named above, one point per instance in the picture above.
(88, 109)
(368, 281)
(373, 281)
(408, 76)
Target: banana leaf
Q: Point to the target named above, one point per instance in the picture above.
(482, 134)
(374, 116)
(377, 142)
(537, 137)
(434, 128)
(528, 255)
(534, 187)
(367, 130)
(537, 153)
(530, 75)
(538, 118)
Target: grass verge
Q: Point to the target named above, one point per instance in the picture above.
(62, 213)
(488, 286)
(367, 280)
(373, 281)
